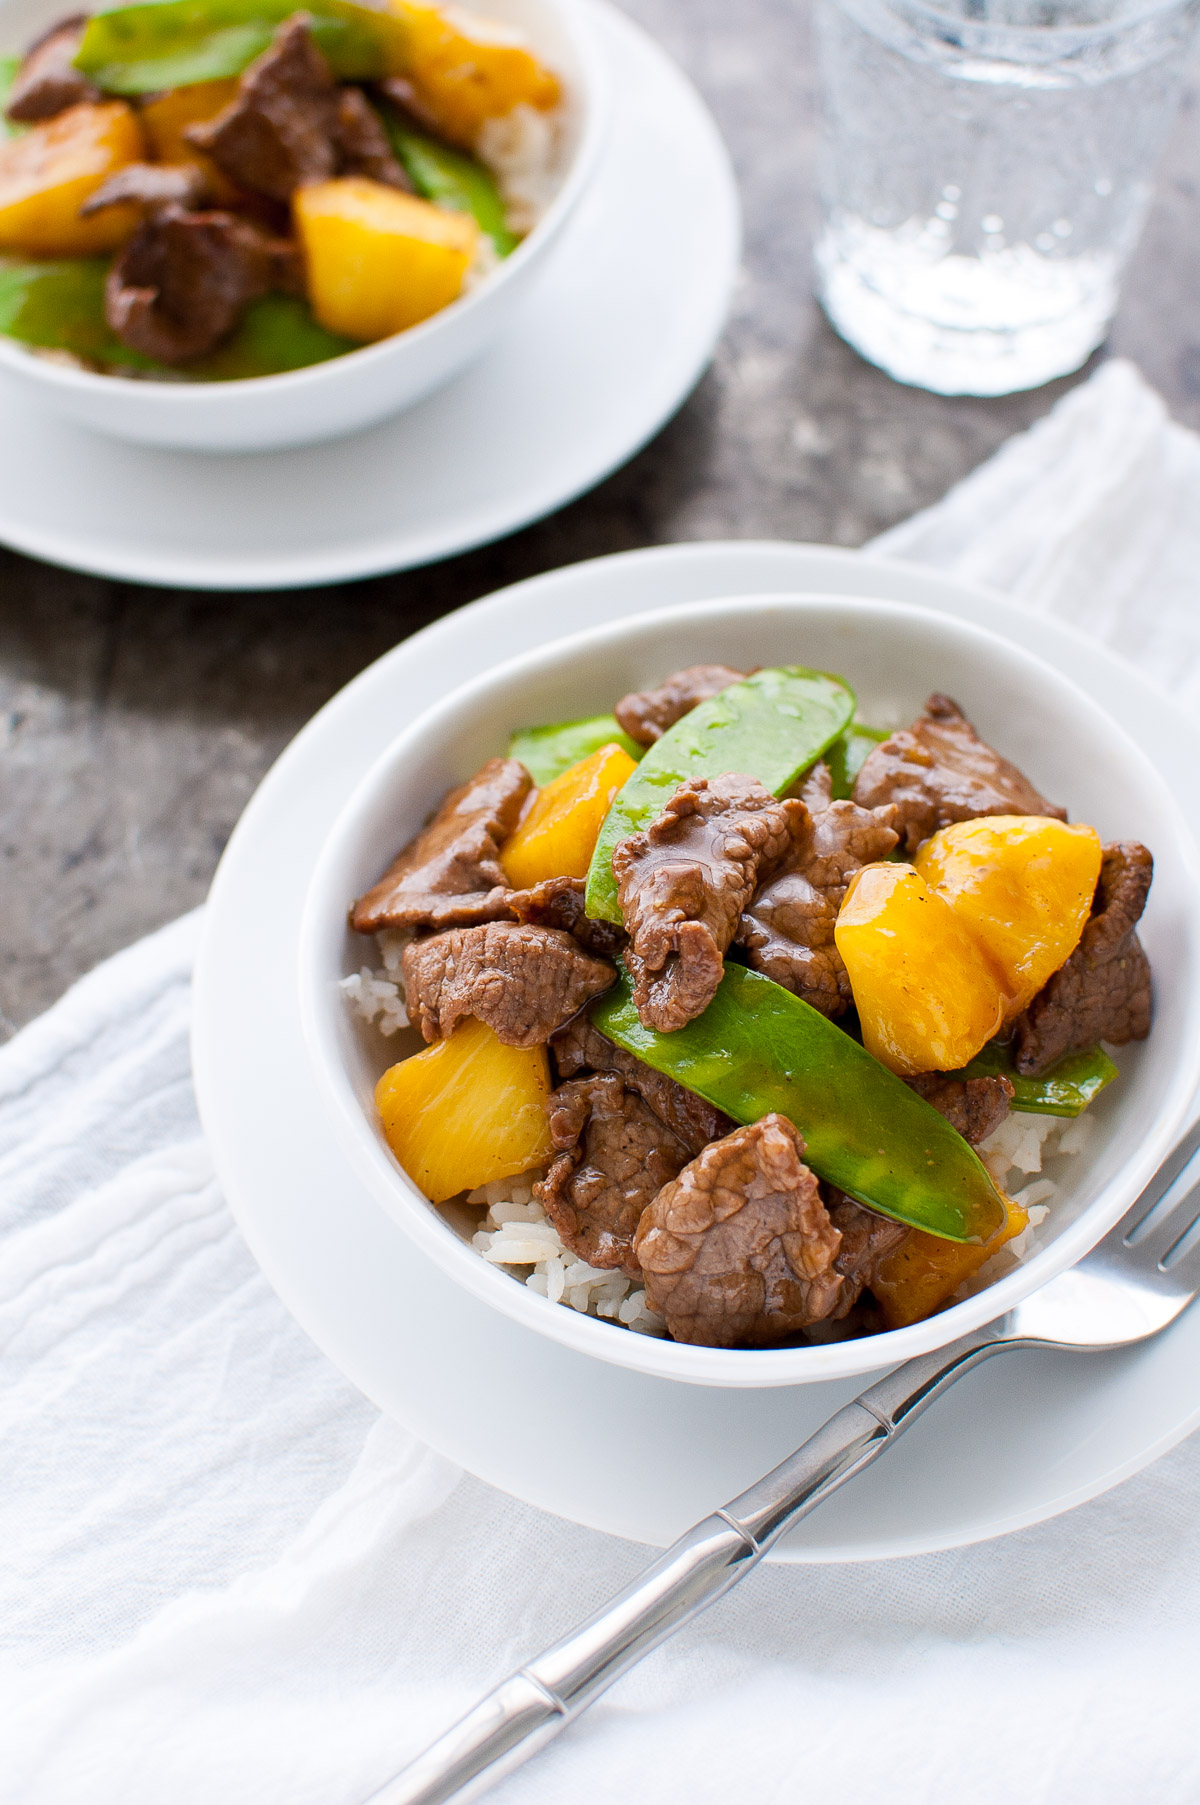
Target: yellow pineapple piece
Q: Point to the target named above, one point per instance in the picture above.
(466, 1110)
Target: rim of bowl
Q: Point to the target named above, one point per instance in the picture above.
(326, 903)
(579, 25)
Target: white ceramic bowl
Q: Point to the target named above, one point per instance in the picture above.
(893, 656)
(266, 413)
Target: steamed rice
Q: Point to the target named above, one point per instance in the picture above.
(524, 151)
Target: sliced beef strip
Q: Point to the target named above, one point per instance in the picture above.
(684, 882)
(867, 1237)
(524, 982)
(739, 1250)
(290, 123)
(47, 82)
(580, 1047)
(279, 129)
(975, 1107)
(1103, 992)
(150, 185)
(450, 875)
(646, 714)
(788, 928)
(362, 144)
(938, 771)
(182, 283)
(558, 902)
(614, 1156)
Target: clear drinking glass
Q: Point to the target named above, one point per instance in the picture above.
(987, 166)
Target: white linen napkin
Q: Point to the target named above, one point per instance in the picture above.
(225, 1579)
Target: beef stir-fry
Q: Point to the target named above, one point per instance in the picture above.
(745, 995)
(207, 189)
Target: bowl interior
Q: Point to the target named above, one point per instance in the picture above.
(893, 657)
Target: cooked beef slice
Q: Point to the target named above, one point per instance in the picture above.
(290, 123)
(866, 1238)
(646, 714)
(47, 81)
(450, 875)
(362, 144)
(184, 280)
(614, 1156)
(739, 1250)
(938, 771)
(151, 185)
(1103, 992)
(280, 128)
(558, 902)
(684, 882)
(973, 1106)
(524, 982)
(580, 1047)
(788, 928)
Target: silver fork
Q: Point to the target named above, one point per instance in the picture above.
(1137, 1281)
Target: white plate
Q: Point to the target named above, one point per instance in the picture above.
(615, 335)
(620, 1451)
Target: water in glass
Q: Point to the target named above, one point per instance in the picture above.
(987, 166)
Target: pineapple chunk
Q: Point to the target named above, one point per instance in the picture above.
(924, 1272)
(466, 1110)
(558, 836)
(1022, 885)
(378, 260)
(464, 70)
(48, 172)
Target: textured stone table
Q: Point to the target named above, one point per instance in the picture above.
(136, 722)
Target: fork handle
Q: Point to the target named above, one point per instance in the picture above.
(523, 1713)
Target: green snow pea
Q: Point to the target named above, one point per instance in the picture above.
(277, 333)
(847, 756)
(8, 74)
(60, 305)
(173, 43)
(546, 752)
(772, 726)
(1064, 1089)
(758, 1048)
(452, 179)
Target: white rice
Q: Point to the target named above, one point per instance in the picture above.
(524, 150)
(378, 996)
(517, 1235)
(1016, 1155)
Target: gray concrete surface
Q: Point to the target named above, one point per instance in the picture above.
(135, 723)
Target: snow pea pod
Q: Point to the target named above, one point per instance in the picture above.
(457, 181)
(847, 756)
(8, 74)
(758, 1048)
(59, 305)
(772, 726)
(546, 752)
(1064, 1089)
(173, 43)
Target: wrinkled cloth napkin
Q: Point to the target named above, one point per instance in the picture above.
(225, 1579)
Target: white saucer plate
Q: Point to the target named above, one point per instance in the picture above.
(619, 1451)
(606, 347)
